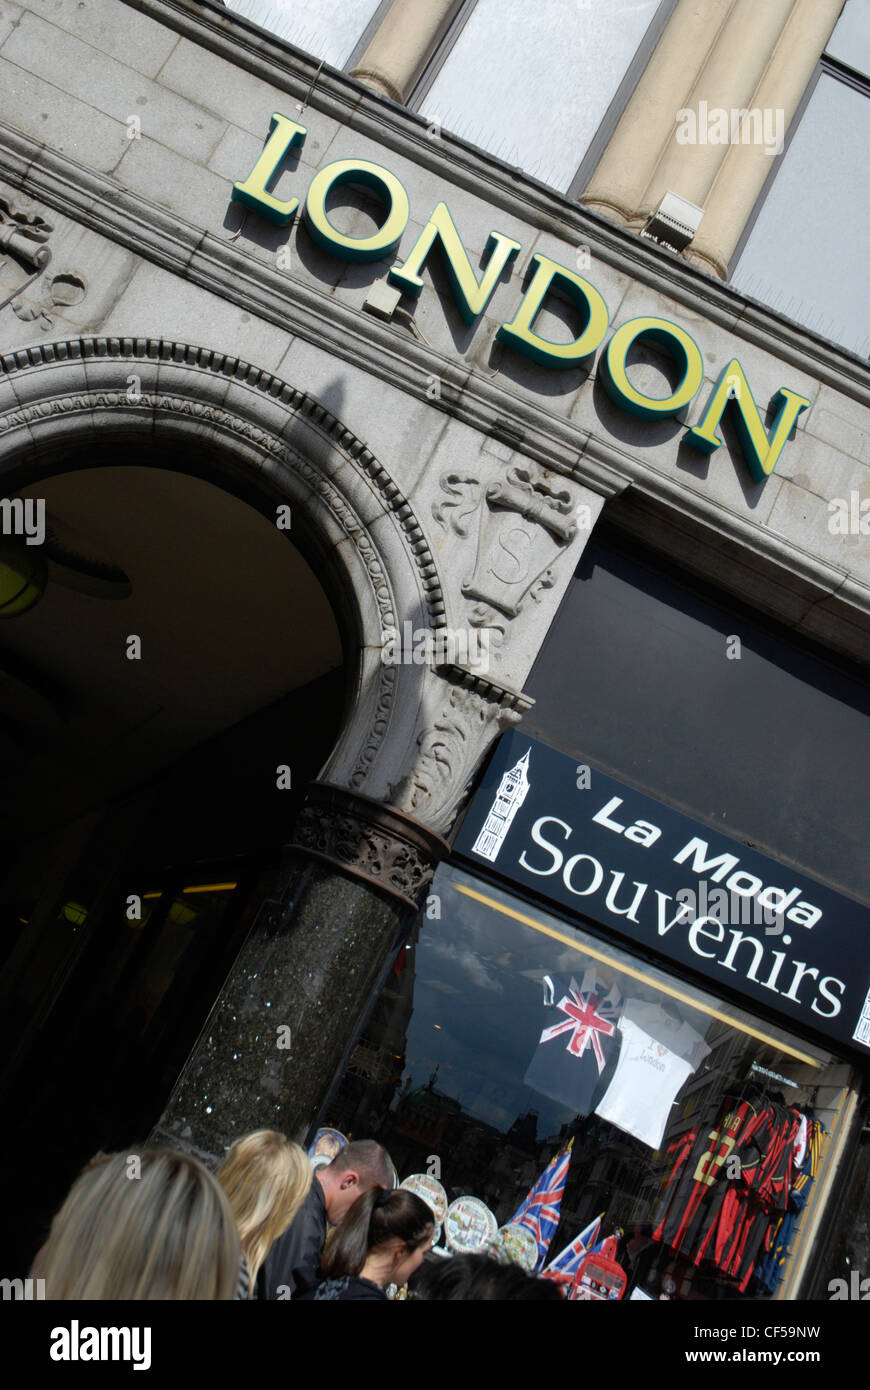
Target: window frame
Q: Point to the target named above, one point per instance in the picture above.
(826, 66)
(609, 121)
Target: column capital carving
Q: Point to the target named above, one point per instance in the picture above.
(370, 841)
(461, 715)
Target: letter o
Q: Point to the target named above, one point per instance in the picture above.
(679, 345)
(753, 884)
(597, 876)
(385, 184)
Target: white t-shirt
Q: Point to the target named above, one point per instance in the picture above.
(647, 1078)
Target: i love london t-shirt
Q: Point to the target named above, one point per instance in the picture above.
(578, 1041)
(649, 1074)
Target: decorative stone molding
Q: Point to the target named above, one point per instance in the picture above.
(465, 718)
(538, 524)
(368, 840)
(525, 524)
(206, 361)
(24, 237)
(60, 291)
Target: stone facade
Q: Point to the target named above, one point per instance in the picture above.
(166, 310)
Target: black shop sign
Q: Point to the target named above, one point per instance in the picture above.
(586, 842)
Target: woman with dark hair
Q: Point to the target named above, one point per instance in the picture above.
(478, 1277)
(381, 1240)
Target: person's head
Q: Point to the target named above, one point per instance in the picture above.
(148, 1224)
(359, 1167)
(388, 1230)
(266, 1178)
(481, 1278)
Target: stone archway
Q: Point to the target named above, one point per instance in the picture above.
(414, 735)
(372, 831)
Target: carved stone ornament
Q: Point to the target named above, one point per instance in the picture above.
(471, 714)
(368, 840)
(24, 235)
(523, 527)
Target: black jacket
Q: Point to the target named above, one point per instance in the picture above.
(293, 1261)
(343, 1290)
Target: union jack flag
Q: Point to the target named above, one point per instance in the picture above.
(568, 1261)
(584, 1022)
(540, 1211)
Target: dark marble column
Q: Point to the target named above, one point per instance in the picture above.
(288, 1012)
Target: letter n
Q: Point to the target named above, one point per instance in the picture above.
(471, 295)
(761, 450)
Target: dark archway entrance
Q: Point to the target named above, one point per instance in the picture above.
(150, 777)
(361, 851)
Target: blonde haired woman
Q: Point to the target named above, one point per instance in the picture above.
(149, 1224)
(266, 1178)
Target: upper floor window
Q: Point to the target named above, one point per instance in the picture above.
(327, 29)
(532, 84)
(805, 254)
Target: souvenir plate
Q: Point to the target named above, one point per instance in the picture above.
(431, 1191)
(469, 1224)
(327, 1143)
(516, 1243)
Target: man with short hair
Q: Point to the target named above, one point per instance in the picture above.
(294, 1258)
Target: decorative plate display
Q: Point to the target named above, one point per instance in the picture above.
(515, 1243)
(469, 1224)
(432, 1193)
(327, 1143)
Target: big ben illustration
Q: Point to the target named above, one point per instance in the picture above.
(510, 796)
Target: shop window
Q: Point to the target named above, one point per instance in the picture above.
(327, 29)
(533, 85)
(802, 255)
(703, 1137)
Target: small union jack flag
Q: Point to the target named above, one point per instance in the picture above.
(586, 1018)
(540, 1211)
(568, 1261)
